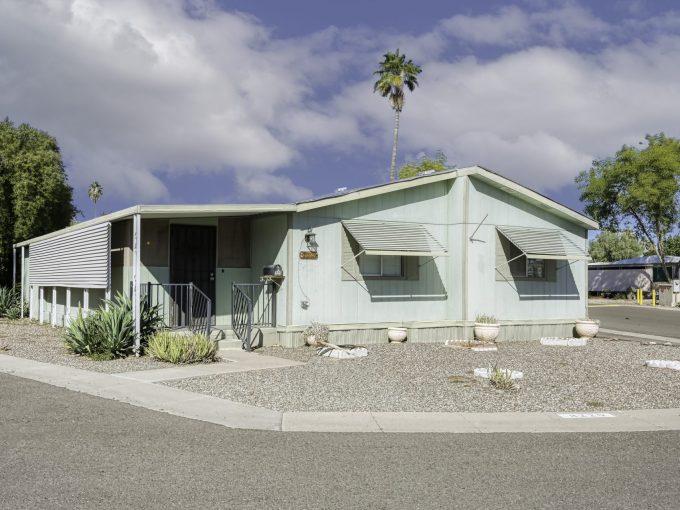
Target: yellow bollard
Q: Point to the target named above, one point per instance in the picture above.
(639, 296)
(653, 297)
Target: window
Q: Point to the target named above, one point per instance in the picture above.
(535, 268)
(381, 266)
(512, 264)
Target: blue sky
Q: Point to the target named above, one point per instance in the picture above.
(266, 101)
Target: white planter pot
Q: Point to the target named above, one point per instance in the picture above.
(396, 334)
(587, 329)
(486, 332)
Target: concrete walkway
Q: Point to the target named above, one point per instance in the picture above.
(137, 388)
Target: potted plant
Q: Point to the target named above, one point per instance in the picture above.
(587, 328)
(396, 335)
(486, 328)
(315, 334)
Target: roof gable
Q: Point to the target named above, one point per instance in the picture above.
(478, 172)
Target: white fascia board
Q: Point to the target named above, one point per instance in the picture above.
(169, 211)
(381, 189)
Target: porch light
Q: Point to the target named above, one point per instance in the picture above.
(310, 239)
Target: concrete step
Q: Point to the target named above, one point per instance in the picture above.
(225, 345)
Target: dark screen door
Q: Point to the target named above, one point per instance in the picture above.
(192, 257)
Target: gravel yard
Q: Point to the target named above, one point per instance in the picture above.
(30, 340)
(604, 375)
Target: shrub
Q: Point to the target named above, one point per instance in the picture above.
(117, 329)
(109, 331)
(319, 331)
(10, 303)
(83, 336)
(486, 319)
(179, 348)
(500, 378)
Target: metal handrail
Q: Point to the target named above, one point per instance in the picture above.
(242, 316)
(183, 305)
(252, 305)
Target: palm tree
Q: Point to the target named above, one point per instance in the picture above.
(393, 73)
(95, 192)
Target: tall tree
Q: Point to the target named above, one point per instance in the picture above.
(425, 164)
(35, 197)
(395, 73)
(95, 192)
(612, 246)
(637, 188)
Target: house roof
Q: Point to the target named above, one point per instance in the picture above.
(477, 172)
(650, 260)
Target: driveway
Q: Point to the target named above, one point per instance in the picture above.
(62, 449)
(638, 319)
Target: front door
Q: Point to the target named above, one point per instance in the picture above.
(192, 257)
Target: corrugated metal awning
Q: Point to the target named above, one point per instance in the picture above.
(80, 259)
(394, 238)
(543, 243)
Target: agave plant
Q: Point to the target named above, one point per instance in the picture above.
(10, 302)
(83, 335)
(117, 329)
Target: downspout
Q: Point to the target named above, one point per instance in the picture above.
(136, 270)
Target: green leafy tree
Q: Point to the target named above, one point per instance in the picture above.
(395, 73)
(637, 188)
(673, 245)
(425, 164)
(35, 197)
(95, 192)
(612, 246)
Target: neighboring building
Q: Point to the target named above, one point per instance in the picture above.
(629, 275)
(428, 253)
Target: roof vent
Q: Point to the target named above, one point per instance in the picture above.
(426, 172)
(341, 190)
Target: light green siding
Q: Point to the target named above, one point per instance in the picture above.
(566, 297)
(335, 300)
(268, 238)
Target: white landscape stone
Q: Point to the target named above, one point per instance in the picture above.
(486, 373)
(568, 342)
(661, 363)
(354, 352)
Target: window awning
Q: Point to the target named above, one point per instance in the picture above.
(394, 238)
(540, 243)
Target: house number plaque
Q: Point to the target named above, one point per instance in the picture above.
(309, 255)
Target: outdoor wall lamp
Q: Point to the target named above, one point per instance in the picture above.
(310, 239)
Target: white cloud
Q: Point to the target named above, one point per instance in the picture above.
(157, 88)
(136, 89)
(513, 26)
(254, 187)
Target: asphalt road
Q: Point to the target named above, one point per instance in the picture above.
(638, 319)
(61, 449)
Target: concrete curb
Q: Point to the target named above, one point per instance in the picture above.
(140, 391)
(639, 336)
